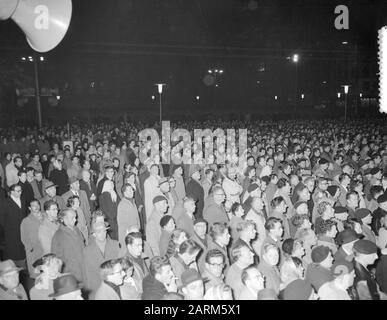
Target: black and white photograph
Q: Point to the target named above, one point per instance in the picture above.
(209, 150)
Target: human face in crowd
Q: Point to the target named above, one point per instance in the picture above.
(194, 290)
(189, 258)
(75, 186)
(310, 185)
(255, 280)
(51, 191)
(282, 207)
(215, 266)
(201, 229)
(219, 196)
(239, 212)
(341, 216)
(172, 183)
(329, 212)
(298, 250)
(224, 239)
(170, 226)
(162, 206)
(250, 232)
(10, 280)
(277, 231)
(287, 188)
(154, 170)
(35, 209)
(367, 219)
(353, 201)
(323, 185)
(76, 203)
(196, 175)
(16, 193)
(333, 232)
(86, 176)
(19, 163)
(369, 259)
(247, 256)
(328, 262)
(52, 212)
(165, 275)
(135, 249)
(129, 193)
(74, 295)
(179, 171)
(182, 237)
(53, 268)
(271, 257)
(70, 218)
(109, 173)
(100, 235)
(38, 176)
(348, 279)
(164, 187)
(304, 194)
(257, 204)
(117, 276)
(302, 209)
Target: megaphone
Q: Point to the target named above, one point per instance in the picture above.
(44, 22)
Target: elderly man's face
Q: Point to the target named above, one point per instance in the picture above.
(117, 276)
(194, 291)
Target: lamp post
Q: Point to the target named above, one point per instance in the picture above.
(215, 73)
(295, 59)
(346, 89)
(160, 90)
(34, 60)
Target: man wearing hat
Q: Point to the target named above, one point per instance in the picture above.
(319, 272)
(185, 220)
(67, 287)
(192, 285)
(153, 229)
(365, 253)
(346, 239)
(10, 287)
(214, 210)
(100, 249)
(364, 215)
(84, 201)
(344, 275)
(340, 216)
(50, 194)
(195, 190)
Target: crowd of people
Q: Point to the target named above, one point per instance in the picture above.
(303, 218)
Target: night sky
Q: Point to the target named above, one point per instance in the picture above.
(114, 52)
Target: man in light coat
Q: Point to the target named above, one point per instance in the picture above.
(127, 214)
(112, 276)
(151, 189)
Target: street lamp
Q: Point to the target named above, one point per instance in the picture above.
(338, 95)
(160, 90)
(346, 89)
(215, 72)
(295, 59)
(302, 96)
(360, 95)
(34, 59)
(275, 97)
(197, 97)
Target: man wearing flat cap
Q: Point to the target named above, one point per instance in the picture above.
(153, 229)
(50, 194)
(319, 272)
(10, 287)
(364, 215)
(365, 253)
(84, 201)
(346, 240)
(192, 285)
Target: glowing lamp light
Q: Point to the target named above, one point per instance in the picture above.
(339, 95)
(346, 89)
(295, 58)
(275, 97)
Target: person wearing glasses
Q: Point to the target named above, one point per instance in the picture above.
(12, 213)
(112, 275)
(213, 269)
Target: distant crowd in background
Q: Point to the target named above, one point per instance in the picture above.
(305, 217)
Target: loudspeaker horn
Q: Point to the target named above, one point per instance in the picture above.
(44, 22)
